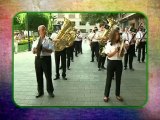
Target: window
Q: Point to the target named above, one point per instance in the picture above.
(83, 30)
(60, 15)
(82, 23)
(91, 24)
(60, 22)
(71, 15)
(73, 22)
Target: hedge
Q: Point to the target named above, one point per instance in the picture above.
(25, 41)
(23, 47)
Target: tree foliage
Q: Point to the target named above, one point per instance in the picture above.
(94, 18)
(33, 20)
(19, 21)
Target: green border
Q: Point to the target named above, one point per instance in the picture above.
(132, 107)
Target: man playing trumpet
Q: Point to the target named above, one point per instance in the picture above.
(43, 48)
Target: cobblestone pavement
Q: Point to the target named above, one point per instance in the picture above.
(84, 87)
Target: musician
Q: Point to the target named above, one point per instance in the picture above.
(127, 36)
(59, 55)
(72, 50)
(102, 57)
(69, 55)
(94, 43)
(43, 48)
(114, 64)
(16, 39)
(141, 45)
(78, 41)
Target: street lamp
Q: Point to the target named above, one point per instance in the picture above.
(52, 19)
(29, 42)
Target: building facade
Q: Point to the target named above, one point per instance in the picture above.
(76, 19)
(132, 20)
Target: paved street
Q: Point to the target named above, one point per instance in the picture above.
(84, 87)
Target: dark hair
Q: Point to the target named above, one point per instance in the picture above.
(113, 36)
(101, 24)
(118, 28)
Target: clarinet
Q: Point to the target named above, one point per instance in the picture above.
(135, 34)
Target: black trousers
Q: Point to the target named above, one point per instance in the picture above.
(43, 65)
(68, 53)
(95, 50)
(101, 61)
(72, 50)
(113, 66)
(62, 55)
(80, 46)
(141, 49)
(77, 48)
(130, 54)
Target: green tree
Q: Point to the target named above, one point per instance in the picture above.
(19, 21)
(50, 22)
(94, 18)
(33, 20)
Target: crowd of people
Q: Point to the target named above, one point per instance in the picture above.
(109, 49)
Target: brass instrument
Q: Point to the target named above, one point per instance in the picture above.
(122, 48)
(70, 37)
(107, 31)
(64, 35)
(105, 35)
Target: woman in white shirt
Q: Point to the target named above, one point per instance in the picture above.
(114, 64)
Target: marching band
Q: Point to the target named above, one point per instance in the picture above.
(116, 48)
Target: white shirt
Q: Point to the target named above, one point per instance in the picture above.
(53, 36)
(111, 48)
(16, 39)
(91, 37)
(99, 34)
(46, 43)
(126, 36)
(78, 37)
(139, 35)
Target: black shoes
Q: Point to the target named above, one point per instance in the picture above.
(99, 69)
(132, 69)
(103, 67)
(119, 98)
(39, 95)
(106, 99)
(68, 69)
(64, 78)
(51, 95)
(57, 78)
(140, 61)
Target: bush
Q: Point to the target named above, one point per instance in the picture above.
(23, 47)
(25, 41)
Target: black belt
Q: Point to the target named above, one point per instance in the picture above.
(42, 56)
